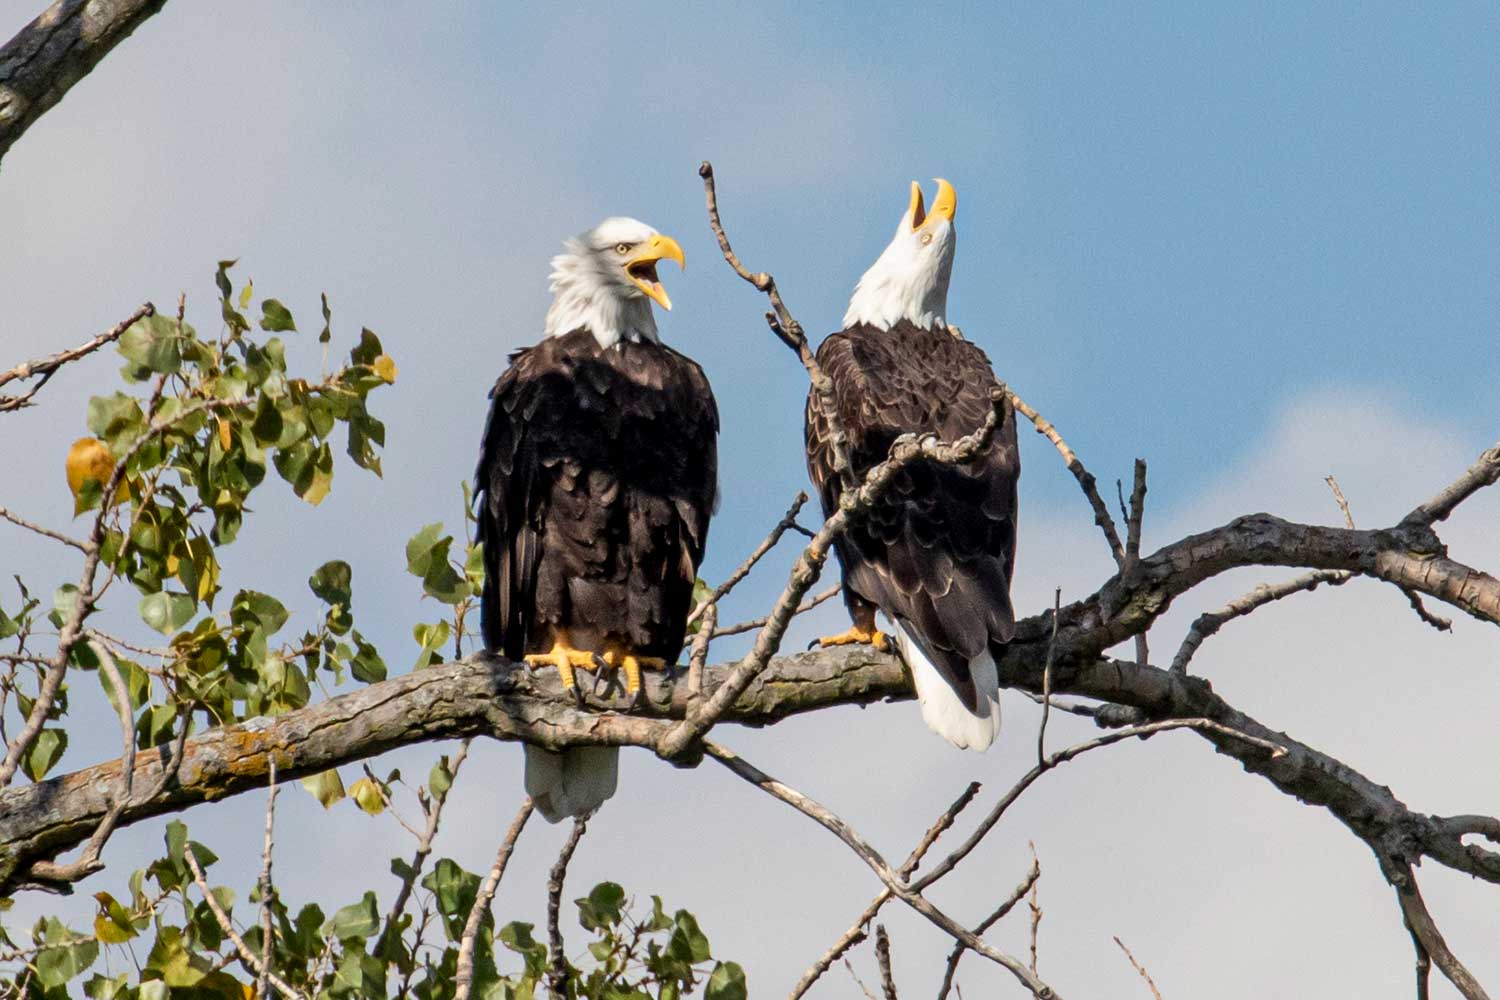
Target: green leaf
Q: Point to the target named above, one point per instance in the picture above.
(355, 921)
(221, 278)
(726, 982)
(252, 606)
(59, 964)
(455, 890)
(167, 612)
(153, 343)
(687, 943)
(275, 317)
(367, 350)
(367, 665)
(427, 559)
(440, 778)
(327, 334)
(332, 582)
(603, 907)
(44, 753)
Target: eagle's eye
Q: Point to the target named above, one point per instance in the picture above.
(622, 247)
(926, 238)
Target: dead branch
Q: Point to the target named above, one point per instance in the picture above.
(998, 914)
(1150, 983)
(803, 608)
(909, 895)
(557, 971)
(856, 933)
(56, 50)
(883, 960)
(787, 522)
(464, 977)
(247, 957)
(1210, 622)
(425, 837)
(267, 889)
(1086, 480)
(1429, 939)
(44, 368)
(1484, 472)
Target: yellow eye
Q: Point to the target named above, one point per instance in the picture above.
(926, 238)
(622, 248)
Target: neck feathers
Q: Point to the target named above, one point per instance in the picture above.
(584, 299)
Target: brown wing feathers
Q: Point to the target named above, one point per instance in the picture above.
(937, 552)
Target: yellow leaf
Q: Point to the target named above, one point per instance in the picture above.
(366, 795)
(226, 441)
(385, 368)
(326, 786)
(112, 925)
(245, 295)
(90, 459)
(322, 482)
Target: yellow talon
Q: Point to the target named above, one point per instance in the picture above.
(630, 664)
(565, 658)
(858, 636)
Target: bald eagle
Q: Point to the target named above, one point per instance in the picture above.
(597, 477)
(936, 552)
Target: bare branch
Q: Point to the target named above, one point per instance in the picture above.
(1484, 472)
(1150, 983)
(247, 957)
(557, 972)
(1041, 732)
(785, 326)
(32, 526)
(998, 914)
(1429, 939)
(1086, 480)
(1211, 621)
(434, 811)
(788, 521)
(909, 895)
(48, 366)
(56, 50)
(883, 960)
(803, 608)
(856, 933)
(464, 977)
(267, 889)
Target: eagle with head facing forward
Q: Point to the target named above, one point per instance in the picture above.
(597, 477)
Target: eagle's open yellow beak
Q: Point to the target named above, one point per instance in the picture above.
(944, 206)
(641, 269)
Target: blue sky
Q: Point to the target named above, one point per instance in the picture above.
(1245, 242)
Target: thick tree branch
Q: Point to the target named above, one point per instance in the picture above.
(463, 979)
(52, 53)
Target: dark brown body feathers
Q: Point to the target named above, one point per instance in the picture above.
(937, 551)
(597, 478)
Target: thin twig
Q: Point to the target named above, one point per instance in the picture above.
(803, 608)
(856, 932)
(1086, 480)
(424, 842)
(463, 979)
(871, 857)
(1211, 621)
(247, 957)
(883, 960)
(56, 536)
(1017, 894)
(46, 367)
(557, 972)
(1036, 913)
(267, 889)
(858, 981)
(1150, 983)
(788, 521)
(1041, 732)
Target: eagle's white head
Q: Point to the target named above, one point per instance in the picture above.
(605, 281)
(910, 279)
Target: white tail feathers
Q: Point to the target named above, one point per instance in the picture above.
(572, 782)
(942, 709)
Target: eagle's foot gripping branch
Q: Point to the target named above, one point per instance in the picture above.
(566, 659)
(859, 636)
(630, 665)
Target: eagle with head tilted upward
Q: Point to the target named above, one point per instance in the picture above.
(597, 477)
(936, 551)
